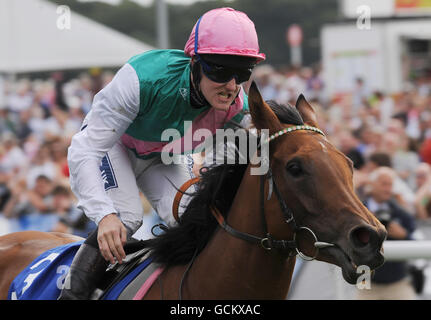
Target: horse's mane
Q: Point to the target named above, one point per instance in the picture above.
(218, 185)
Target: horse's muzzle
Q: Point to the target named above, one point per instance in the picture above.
(366, 245)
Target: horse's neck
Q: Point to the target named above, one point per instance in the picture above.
(245, 214)
(239, 269)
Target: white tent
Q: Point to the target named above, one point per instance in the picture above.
(37, 35)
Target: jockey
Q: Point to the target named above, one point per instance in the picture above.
(118, 151)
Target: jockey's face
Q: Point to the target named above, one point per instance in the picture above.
(219, 95)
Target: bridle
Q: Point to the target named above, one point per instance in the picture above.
(290, 247)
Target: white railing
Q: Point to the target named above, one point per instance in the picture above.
(406, 250)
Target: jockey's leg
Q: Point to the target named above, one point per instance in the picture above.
(87, 268)
(160, 182)
(88, 264)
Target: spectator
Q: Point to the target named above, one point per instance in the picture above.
(6, 123)
(396, 125)
(385, 107)
(20, 99)
(391, 280)
(75, 117)
(263, 76)
(401, 190)
(12, 157)
(370, 138)
(295, 82)
(360, 177)
(4, 189)
(36, 200)
(423, 193)
(58, 78)
(58, 151)
(422, 174)
(71, 219)
(42, 164)
(360, 95)
(425, 150)
(315, 87)
(405, 161)
(350, 146)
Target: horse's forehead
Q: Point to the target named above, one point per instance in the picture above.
(322, 145)
(312, 145)
(320, 149)
(318, 146)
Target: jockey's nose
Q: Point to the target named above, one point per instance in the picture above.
(231, 85)
(366, 243)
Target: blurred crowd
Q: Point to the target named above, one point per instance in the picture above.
(374, 129)
(39, 117)
(37, 121)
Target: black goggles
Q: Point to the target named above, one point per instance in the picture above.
(222, 74)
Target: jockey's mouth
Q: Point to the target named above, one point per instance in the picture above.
(225, 95)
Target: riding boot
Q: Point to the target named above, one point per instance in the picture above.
(86, 270)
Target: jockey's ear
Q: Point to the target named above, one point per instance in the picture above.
(262, 115)
(306, 111)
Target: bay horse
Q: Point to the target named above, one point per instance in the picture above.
(240, 235)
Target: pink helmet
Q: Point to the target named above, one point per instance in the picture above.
(224, 31)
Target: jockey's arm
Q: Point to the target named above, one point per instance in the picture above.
(114, 109)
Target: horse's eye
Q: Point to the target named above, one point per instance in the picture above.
(294, 168)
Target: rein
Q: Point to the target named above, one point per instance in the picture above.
(179, 195)
(268, 242)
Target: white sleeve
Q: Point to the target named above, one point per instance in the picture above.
(114, 109)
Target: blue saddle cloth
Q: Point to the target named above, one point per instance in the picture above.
(44, 278)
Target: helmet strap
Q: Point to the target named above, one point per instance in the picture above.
(197, 99)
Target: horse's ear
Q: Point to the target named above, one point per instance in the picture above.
(262, 115)
(306, 110)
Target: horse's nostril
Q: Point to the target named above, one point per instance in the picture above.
(360, 236)
(365, 243)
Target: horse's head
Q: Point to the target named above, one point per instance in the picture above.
(315, 181)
